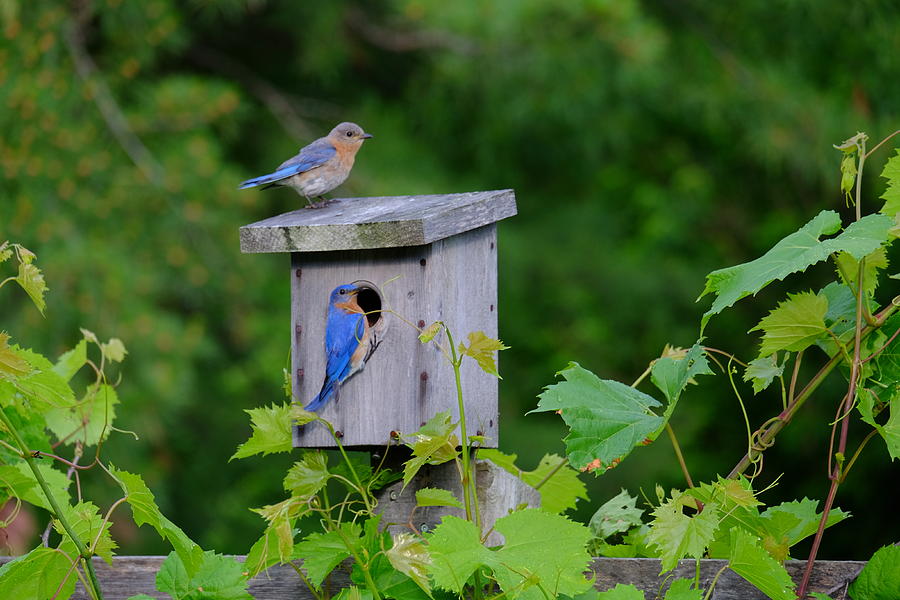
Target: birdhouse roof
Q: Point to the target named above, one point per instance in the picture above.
(378, 222)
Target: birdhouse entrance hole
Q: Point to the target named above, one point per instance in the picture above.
(369, 299)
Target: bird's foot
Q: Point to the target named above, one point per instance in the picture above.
(321, 203)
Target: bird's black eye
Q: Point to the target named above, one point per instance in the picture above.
(342, 292)
(349, 134)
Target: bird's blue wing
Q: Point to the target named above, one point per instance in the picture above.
(310, 157)
(342, 338)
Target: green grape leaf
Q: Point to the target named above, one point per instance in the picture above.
(622, 591)
(71, 362)
(19, 479)
(482, 349)
(322, 552)
(434, 444)
(389, 581)
(523, 562)
(42, 387)
(559, 493)
(87, 523)
(217, 576)
(819, 596)
(794, 325)
(880, 578)
(672, 374)
(37, 575)
(848, 268)
(677, 534)
(891, 195)
(793, 253)
(271, 428)
(144, 510)
(606, 419)
(410, 556)
(749, 560)
(616, 515)
(354, 593)
(456, 553)
(32, 281)
(141, 597)
(762, 372)
(87, 422)
(681, 590)
(307, 476)
(436, 497)
(792, 522)
(12, 365)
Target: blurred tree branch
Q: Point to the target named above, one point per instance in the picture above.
(115, 120)
(398, 40)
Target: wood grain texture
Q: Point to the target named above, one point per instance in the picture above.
(132, 575)
(498, 493)
(379, 222)
(405, 382)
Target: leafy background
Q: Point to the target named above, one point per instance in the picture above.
(648, 143)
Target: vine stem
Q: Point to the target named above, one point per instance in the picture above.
(55, 507)
(467, 475)
(679, 455)
(784, 418)
(835, 475)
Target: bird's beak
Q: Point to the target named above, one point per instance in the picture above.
(366, 136)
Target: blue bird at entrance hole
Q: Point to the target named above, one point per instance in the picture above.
(349, 342)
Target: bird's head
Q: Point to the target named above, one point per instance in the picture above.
(349, 134)
(343, 293)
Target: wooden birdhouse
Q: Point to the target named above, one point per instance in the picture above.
(416, 260)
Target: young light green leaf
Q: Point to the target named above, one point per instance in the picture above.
(87, 422)
(794, 325)
(354, 593)
(848, 269)
(322, 552)
(42, 387)
(32, 281)
(271, 431)
(606, 419)
(482, 349)
(560, 486)
(677, 534)
(114, 350)
(270, 548)
(456, 553)
(681, 590)
(409, 556)
(429, 332)
(144, 510)
(795, 252)
(38, 575)
(141, 597)
(622, 591)
(436, 497)
(762, 371)
(307, 476)
(880, 578)
(616, 515)
(848, 176)
(749, 560)
(435, 443)
(5, 252)
(88, 525)
(523, 561)
(819, 596)
(71, 362)
(671, 374)
(219, 577)
(891, 195)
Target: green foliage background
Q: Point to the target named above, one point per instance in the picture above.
(648, 143)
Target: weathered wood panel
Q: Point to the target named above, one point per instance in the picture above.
(405, 383)
(381, 222)
(132, 575)
(498, 493)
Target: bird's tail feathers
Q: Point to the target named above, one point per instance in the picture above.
(330, 388)
(270, 179)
